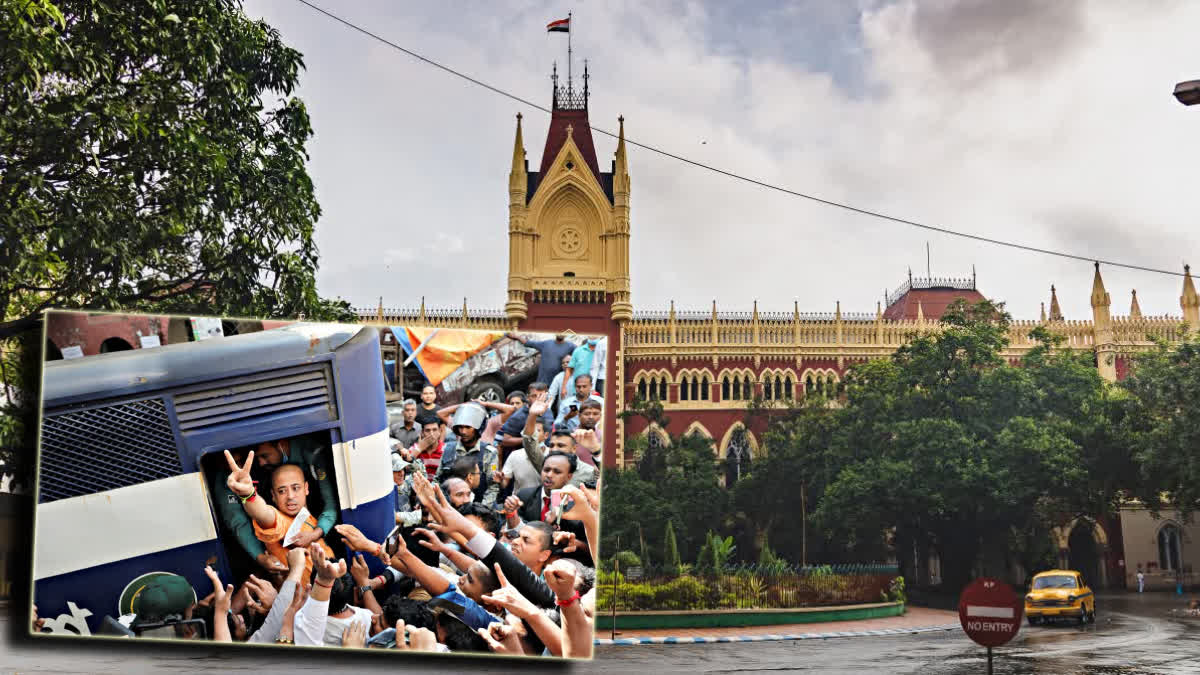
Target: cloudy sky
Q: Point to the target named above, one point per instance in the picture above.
(1047, 123)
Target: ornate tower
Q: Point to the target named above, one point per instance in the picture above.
(1189, 301)
(568, 221)
(1106, 357)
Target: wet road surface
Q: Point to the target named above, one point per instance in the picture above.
(1133, 636)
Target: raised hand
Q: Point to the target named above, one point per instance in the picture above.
(566, 540)
(239, 481)
(430, 540)
(580, 506)
(354, 538)
(540, 404)
(355, 635)
(560, 577)
(501, 638)
(222, 593)
(587, 438)
(508, 597)
(511, 504)
(263, 591)
(326, 571)
(269, 563)
(307, 537)
(416, 639)
(358, 570)
(296, 558)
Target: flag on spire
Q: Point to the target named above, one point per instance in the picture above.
(560, 26)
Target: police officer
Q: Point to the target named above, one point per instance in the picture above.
(467, 425)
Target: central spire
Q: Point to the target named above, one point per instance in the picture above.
(569, 109)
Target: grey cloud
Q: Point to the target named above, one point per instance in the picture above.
(972, 40)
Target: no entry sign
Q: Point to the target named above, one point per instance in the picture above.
(990, 612)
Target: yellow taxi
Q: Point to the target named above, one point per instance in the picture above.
(1057, 594)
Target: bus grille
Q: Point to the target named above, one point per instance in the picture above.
(244, 398)
(99, 449)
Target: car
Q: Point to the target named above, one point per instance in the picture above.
(506, 365)
(1056, 594)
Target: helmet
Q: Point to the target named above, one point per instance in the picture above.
(469, 415)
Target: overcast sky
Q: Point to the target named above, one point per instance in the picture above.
(1048, 123)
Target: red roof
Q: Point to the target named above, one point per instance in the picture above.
(580, 130)
(934, 302)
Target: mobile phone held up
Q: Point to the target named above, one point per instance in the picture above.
(392, 543)
(559, 501)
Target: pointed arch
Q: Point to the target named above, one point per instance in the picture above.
(724, 444)
(658, 434)
(697, 428)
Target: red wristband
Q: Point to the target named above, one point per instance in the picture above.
(317, 582)
(568, 602)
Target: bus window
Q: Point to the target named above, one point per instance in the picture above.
(235, 530)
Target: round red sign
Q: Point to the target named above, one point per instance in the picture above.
(990, 612)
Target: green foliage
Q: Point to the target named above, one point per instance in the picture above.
(675, 484)
(1162, 406)
(895, 591)
(671, 549)
(153, 159)
(949, 445)
(627, 559)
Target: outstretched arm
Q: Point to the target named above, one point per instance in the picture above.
(242, 486)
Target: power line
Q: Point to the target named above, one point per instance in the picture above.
(737, 176)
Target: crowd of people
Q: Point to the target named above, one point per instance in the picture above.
(494, 547)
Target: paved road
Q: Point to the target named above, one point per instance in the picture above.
(1133, 636)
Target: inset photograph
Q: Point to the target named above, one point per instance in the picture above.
(321, 485)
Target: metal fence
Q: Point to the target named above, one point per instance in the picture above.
(744, 587)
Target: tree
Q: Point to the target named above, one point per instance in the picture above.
(676, 483)
(1161, 424)
(951, 449)
(152, 157)
(671, 549)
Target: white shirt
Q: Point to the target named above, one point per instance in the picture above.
(335, 627)
(598, 360)
(521, 470)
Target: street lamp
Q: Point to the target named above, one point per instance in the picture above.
(1188, 92)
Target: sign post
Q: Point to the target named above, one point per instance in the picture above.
(990, 613)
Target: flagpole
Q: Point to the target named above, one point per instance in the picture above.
(569, 86)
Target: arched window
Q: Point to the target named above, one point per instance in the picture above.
(779, 393)
(809, 385)
(114, 344)
(737, 457)
(662, 389)
(1168, 548)
(787, 387)
(695, 389)
(683, 388)
(767, 388)
(737, 389)
(725, 395)
(704, 389)
(641, 391)
(748, 388)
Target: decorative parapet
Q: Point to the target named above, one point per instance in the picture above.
(929, 282)
(692, 334)
(480, 319)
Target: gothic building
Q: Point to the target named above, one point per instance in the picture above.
(569, 227)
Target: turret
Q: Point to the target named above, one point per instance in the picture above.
(1106, 358)
(1055, 311)
(518, 186)
(1189, 301)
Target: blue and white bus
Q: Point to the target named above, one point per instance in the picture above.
(131, 443)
